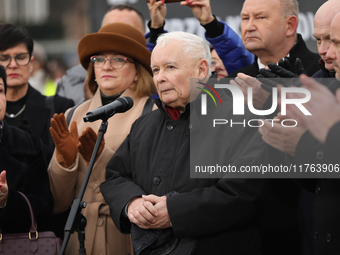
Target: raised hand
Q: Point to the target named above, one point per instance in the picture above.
(157, 11)
(281, 74)
(87, 141)
(3, 189)
(201, 10)
(282, 138)
(323, 106)
(65, 141)
(259, 95)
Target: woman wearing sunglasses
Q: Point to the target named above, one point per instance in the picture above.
(118, 65)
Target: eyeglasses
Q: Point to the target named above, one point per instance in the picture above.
(22, 59)
(115, 62)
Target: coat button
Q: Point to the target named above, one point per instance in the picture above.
(329, 238)
(100, 222)
(170, 127)
(316, 235)
(317, 190)
(96, 188)
(190, 126)
(319, 155)
(156, 181)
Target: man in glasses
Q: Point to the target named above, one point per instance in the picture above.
(26, 107)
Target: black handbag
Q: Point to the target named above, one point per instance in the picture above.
(32, 242)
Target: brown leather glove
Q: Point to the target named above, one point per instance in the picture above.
(87, 141)
(65, 141)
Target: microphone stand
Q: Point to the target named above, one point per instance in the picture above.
(76, 221)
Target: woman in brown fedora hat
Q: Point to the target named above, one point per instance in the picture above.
(118, 65)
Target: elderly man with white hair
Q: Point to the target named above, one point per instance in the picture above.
(148, 185)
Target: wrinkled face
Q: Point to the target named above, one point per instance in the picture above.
(321, 34)
(2, 100)
(124, 16)
(17, 75)
(172, 70)
(262, 25)
(112, 81)
(217, 65)
(334, 49)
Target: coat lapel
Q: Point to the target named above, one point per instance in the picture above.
(36, 110)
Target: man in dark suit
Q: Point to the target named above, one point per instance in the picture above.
(285, 139)
(295, 141)
(324, 125)
(269, 32)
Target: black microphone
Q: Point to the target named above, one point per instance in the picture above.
(120, 105)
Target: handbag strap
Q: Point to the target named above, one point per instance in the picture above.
(33, 228)
(33, 244)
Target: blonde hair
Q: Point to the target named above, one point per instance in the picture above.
(143, 87)
(91, 82)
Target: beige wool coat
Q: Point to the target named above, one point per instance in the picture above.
(102, 237)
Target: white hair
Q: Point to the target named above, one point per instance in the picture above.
(193, 46)
(289, 8)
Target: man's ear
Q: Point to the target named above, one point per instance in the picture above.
(203, 68)
(292, 23)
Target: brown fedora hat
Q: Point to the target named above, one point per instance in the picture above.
(115, 37)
